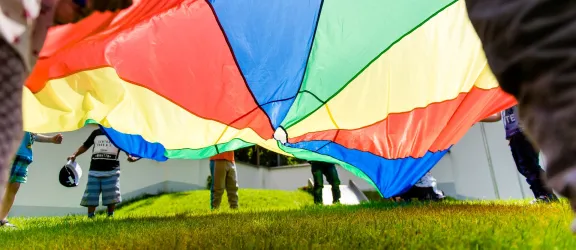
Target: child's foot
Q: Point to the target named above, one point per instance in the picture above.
(110, 214)
(91, 215)
(545, 199)
(5, 223)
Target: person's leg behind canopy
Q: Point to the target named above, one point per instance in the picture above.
(231, 184)
(528, 164)
(218, 171)
(318, 179)
(332, 177)
(12, 77)
(531, 47)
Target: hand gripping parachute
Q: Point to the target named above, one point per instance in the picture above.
(382, 87)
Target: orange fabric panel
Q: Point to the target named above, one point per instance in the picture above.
(411, 134)
(229, 156)
(148, 52)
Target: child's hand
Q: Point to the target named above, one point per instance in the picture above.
(57, 139)
(72, 158)
(132, 159)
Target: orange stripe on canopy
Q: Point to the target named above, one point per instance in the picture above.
(147, 50)
(412, 134)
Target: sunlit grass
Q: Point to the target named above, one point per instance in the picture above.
(288, 220)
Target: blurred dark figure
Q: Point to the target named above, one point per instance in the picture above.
(530, 46)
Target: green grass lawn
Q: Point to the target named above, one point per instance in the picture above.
(288, 220)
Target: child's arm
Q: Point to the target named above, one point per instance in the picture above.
(493, 118)
(57, 139)
(84, 147)
(78, 152)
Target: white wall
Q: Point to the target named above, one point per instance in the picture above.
(463, 173)
(467, 167)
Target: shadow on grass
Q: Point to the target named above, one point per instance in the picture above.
(374, 203)
(149, 200)
(138, 198)
(371, 225)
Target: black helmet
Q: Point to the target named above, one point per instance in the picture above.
(70, 174)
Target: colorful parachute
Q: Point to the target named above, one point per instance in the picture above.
(382, 87)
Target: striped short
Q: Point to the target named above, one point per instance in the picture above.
(109, 187)
(19, 170)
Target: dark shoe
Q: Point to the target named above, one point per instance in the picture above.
(545, 199)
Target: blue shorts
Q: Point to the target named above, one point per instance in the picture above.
(109, 187)
(19, 170)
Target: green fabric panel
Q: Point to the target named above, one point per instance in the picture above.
(351, 34)
(206, 152)
(201, 153)
(90, 121)
(313, 156)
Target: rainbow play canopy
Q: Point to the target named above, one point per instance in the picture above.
(382, 87)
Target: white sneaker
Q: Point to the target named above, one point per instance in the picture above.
(5, 223)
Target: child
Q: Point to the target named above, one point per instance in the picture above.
(319, 170)
(23, 28)
(104, 174)
(525, 156)
(19, 171)
(224, 176)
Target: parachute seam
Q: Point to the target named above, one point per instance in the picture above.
(415, 109)
(307, 60)
(331, 116)
(335, 125)
(303, 74)
(373, 60)
(220, 137)
(225, 36)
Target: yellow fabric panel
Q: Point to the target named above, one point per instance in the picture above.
(435, 63)
(65, 104)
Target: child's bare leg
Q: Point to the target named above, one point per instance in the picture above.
(91, 211)
(531, 48)
(111, 209)
(8, 201)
